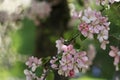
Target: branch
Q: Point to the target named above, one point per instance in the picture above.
(114, 37)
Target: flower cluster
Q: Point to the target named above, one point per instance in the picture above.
(93, 23)
(31, 75)
(115, 52)
(32, 64)
(70, 61)
(104, 2)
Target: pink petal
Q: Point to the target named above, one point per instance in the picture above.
(116, 60)
(112, 53)
(64, 68)
(70, 47)
(85, 58)
(64, 48)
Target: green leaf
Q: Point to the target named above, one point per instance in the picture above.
(45, 60)
(50, 76)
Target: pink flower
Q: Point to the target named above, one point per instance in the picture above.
(29, 75)
(66, 62)
(88, 15)
(84, 28)
(76, 15)
(116, 54)
(105, 2)
(53, 63)
(71, 73)
(70, 61)
(93, 23)
(81, 59)
(102, 2)
(66, 48)
(103, 35)
(33, 63)
(59, 44)
(66, 65)
(95, 28)
(103, 44)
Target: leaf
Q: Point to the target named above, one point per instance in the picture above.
(45, 60)
(50, 76)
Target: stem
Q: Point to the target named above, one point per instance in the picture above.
(76, 35)
(46, 73)
(114, 37)
(103, 8)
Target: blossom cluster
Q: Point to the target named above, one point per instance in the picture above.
(104, 2)
(71, 61)
(115, 52)
(33, 63)
(93, 23)
(68, 62)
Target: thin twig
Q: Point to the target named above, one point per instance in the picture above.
(114, 37)
(46, 73)
(76, 35)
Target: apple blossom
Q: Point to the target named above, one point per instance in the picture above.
(71, 61)
(116, 54)
(33, 63)
(104, 2)
(92, 23)
(29, 75)
(84, 28)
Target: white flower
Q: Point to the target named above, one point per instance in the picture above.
(89, 15)
(59, 45)
(103, 35)
(103, 44)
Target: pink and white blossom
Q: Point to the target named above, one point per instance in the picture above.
(93, 23)
(53, 63)
(71, 61)
(88, 16)
(33, 63)
(115, 53)
(105, 2)
(59, 44)
(103, 35)
(29, 75)
(103, 44)
(84, 28)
